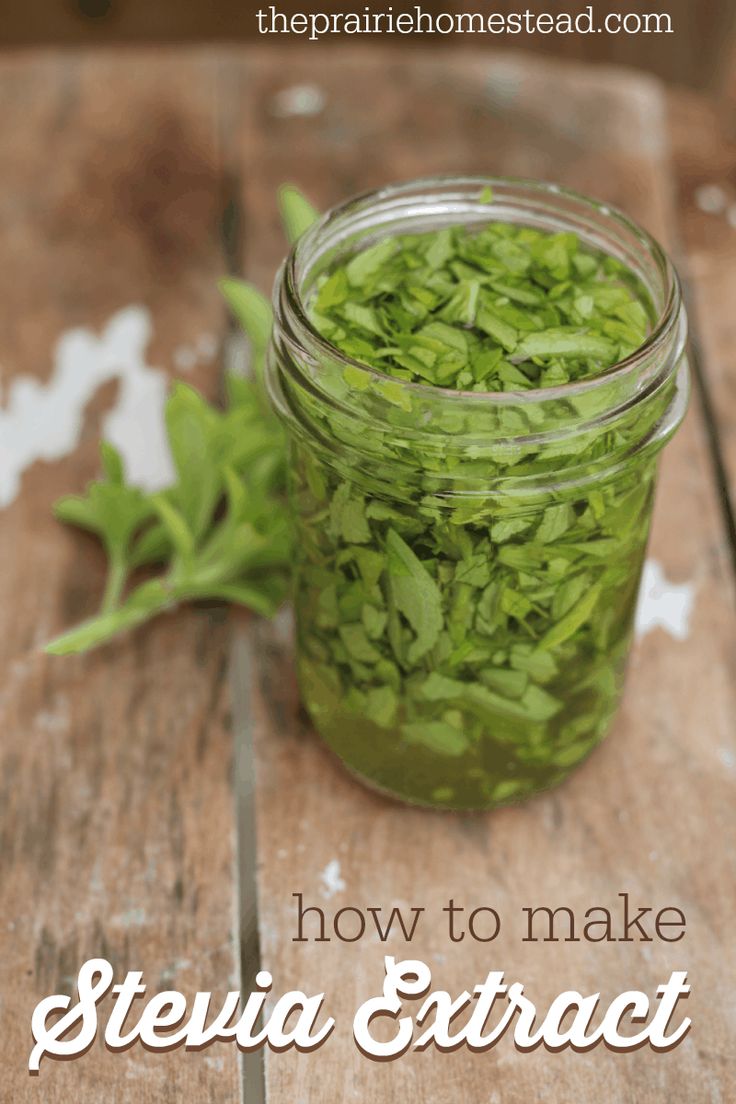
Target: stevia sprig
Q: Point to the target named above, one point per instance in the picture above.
(221, 532)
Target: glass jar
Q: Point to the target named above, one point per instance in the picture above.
(468, 564)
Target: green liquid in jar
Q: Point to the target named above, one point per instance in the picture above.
(464, 654)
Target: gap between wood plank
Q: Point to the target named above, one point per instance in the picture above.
(681, 253)
(253, 1089)
(248, 951)
(715, 452)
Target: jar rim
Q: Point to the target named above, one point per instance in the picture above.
(288, 280)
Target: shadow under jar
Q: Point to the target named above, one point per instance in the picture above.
(468, 561)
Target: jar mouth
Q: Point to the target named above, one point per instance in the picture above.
(461, 196)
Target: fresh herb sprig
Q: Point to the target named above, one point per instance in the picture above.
(221, 531)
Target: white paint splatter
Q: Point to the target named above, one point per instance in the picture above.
(206, 346)
(299, 100)
(663, 604)
(727, 759)
(133, 918)
(54, 721)
(185, 357)
(135, 1071)
(711, 198)
(332, 882)
(170, 972)
(44, 421)
(136, 427)
(504, 83)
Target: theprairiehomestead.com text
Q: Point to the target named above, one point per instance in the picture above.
(416, 20)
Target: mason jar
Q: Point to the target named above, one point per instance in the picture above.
(467, 564)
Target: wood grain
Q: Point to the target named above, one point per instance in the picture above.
(704, 161)
(693, 53)
(116, 813)
(650, 812)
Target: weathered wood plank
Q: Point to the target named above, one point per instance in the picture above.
(648, 812)
(116, 813)
(704, 160)
(691, 52)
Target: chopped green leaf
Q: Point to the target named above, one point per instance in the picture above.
(414, 593)
(490, 624)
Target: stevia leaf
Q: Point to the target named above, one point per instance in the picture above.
(111, 509)
(297, 213)
(568, 756)
(534, 661)
(515, 603)
(474, 570)
(510, 684)
(507, 528)
(438, 687)
(556, 521)
(348, 517)
(191, 425)
(394, 393)
(252, 310)
(437, 736)
(355, 377)
(490, 323)
(371, 564)
(353, 522)
(441, 248)
(568, 625)
(382, 703)
(175, 523)
(507, 789)
(513, 257)
(549, 343)
(374, 621)
(527, 296)
(539, 705)
(415, 595)
(596, 549)
(568, 592)
(112, 463)
(490, 705)
(369, 261)
(355, 640)
(366, 318)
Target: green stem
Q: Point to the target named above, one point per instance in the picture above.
(117, 574)
(150, 599)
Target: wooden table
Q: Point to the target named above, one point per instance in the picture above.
(131, 779)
